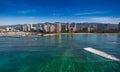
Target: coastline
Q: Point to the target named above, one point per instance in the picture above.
(53, 34)
(27, 34)
(76, 33)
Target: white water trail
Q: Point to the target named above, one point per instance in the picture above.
(101, 53)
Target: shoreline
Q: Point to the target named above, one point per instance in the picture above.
(27, 34)
(78, 33)
(53, 34)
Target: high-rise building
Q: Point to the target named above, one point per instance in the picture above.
(9, 29)
(91, 28)
(40, 27)
(112, 27)
(73, 27)
(102, 27)
(68, 29)
(24, 28)
(27, 27)
(45, 27)
(52, 28)
(57, 27)
(63, 28)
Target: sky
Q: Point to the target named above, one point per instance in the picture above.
(39, 11)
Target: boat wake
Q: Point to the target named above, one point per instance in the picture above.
(101, 53)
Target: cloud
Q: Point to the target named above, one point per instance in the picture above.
(26, 11)
(90, 13)
(114, 20)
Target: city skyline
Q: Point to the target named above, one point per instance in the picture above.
(35, 11)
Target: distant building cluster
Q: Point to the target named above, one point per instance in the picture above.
(58, 27)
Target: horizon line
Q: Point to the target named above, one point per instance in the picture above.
(58, 22)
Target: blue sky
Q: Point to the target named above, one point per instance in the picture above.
(35, 11)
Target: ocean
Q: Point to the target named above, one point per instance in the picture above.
(60, 53)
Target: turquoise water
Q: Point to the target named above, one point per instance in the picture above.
(61, 53)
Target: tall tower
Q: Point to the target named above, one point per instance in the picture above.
(28, 27)
(24, 28)
(74, 28)
(52, 28)
(58, 27)
(68, 27)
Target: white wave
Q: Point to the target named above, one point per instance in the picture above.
(101, 53)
